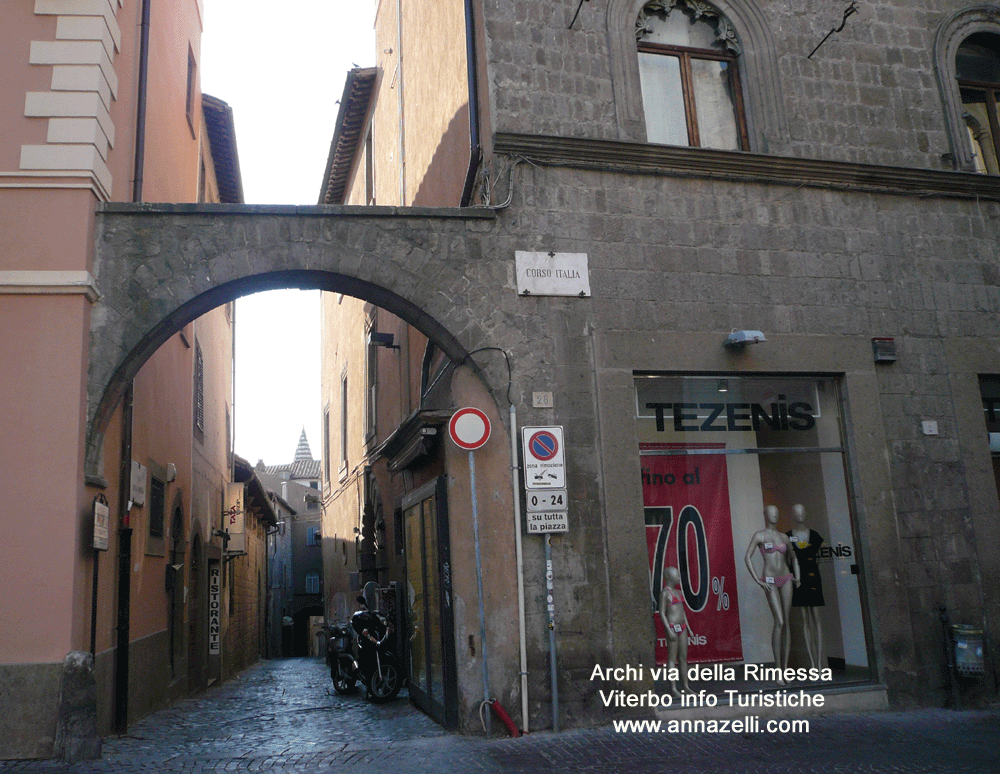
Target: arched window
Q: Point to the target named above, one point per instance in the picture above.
(967, 64)
(977, 68)
(689, 76)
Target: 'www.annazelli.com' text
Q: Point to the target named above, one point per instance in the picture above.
(748, 724)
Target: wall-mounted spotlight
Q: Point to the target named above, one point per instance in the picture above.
(739, 339)
(723, 385)
(386, 340)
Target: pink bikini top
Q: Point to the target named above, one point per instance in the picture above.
(770, 548)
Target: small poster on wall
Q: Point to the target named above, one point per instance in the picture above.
(689, 526)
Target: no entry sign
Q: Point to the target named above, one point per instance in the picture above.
(469, 428)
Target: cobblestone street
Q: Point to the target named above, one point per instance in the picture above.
(283, 716)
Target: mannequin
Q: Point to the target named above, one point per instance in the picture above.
(808, 596)
(775, 579)
(675, 622)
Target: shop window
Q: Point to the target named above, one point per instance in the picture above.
(977, 68)
(745, 491)
(989, 389)
(689, 76)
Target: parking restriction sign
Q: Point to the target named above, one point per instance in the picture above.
(544, 461)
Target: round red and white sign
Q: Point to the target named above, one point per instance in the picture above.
(469, 428)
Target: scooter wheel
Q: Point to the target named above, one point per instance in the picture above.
(342, 684)
(385, 686)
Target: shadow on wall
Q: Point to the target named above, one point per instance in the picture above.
(442, 183)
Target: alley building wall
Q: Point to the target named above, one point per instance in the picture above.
(71, 140)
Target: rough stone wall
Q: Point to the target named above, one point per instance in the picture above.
(673, 263)
(546, 78)
(870, 93)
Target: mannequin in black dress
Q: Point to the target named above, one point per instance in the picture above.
(808, 595)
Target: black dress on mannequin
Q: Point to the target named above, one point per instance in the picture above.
(809, 592)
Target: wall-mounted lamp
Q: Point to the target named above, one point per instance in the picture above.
(739, 339)
(171, 472)
(723, 385)
(386, 340)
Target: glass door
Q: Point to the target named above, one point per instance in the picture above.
(433, 685)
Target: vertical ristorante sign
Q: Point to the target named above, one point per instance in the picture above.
(214, 609)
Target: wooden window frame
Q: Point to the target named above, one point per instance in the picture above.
(990, 90)
(685, 54)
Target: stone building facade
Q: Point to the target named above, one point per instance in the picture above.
(720, 173)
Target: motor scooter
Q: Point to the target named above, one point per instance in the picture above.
(365, 651)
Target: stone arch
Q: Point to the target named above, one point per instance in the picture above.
(158, 267)
(950, 35)
(767, 125)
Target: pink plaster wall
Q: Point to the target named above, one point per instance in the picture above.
(41, 472)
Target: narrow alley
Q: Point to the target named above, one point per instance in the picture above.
(283, 716)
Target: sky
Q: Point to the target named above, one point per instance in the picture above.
(282, 72)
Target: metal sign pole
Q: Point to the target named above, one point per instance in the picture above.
(552, 631)
(479, 583)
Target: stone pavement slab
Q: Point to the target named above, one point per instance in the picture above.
(283, 716)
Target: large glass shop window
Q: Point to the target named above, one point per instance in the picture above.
(753, 560)
(989, 388)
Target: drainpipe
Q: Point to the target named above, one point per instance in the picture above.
(401, 107)
(475, 149)
(124, 566)
(125, 469)
(515, 480)
(140, 108)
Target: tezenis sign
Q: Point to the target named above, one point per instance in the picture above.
(691, 417)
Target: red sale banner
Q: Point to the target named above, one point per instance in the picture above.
(688, 526)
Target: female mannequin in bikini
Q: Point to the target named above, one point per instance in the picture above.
(808, 597)
(675, 622)
(775, 579)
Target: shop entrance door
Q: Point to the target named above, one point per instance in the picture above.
(433, 685)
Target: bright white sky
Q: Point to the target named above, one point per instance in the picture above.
(282, 72)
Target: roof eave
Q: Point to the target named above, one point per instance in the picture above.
(222, 140)
(355, 101)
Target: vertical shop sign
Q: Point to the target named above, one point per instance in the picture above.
(233, 518)
(102, 515)
(214, 609)
(689, 526)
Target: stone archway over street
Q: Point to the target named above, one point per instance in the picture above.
(158, 267)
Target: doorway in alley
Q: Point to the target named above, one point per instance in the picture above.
(433, 685)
